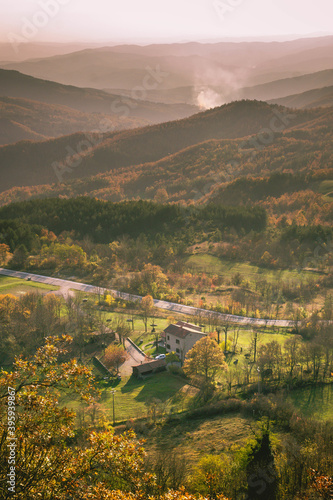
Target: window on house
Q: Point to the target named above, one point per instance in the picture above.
(168, 346)
(177, 350)
(177, 341)
(168, 337)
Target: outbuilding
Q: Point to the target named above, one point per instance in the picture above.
(149, 368)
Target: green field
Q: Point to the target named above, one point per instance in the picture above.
(213, 265)
(133, 396)
(18, 286)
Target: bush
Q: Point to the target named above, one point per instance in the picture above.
(177, 370)
(220, 408)
(273, 406)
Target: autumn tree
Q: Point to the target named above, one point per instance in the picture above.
(170, 469)
(4, 253)
(161, 195)
(115, 356)
(211, 475)
(226, 325)
(204, 360)
(291, 352)
(122, 328)
(49, 461)
(270, 357)
(19, 257)
(150, 281)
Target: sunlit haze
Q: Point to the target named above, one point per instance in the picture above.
(172, 20)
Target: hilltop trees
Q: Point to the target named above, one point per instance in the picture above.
(104, 221)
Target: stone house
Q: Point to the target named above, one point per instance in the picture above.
(181, 337)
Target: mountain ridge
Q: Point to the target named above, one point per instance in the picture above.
(69, 157)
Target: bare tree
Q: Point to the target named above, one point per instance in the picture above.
(292, 351)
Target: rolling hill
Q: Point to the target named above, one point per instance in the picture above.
(29, 164)
(23, 119)
(289, 86)
(305, 100)
(283, 178)
(18, 85)
(228, 65)
(30, 50)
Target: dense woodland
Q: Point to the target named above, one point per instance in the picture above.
(104, 222)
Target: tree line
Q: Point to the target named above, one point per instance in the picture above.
(106, 221)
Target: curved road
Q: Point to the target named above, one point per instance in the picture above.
(66, 286)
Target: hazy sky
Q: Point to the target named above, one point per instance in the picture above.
(119, 20)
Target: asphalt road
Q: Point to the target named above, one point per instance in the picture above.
(66, 286)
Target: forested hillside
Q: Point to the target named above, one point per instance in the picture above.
(282, 176)
(322, 97)
(76, 156)
(106, 221)
(87, 100)
(24, 119)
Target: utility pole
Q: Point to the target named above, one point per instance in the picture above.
(113, 391)
(255, 346)
(218, 331)
(258, 370)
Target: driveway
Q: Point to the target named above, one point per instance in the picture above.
(135, 358)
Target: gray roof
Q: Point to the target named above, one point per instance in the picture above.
(150, 365)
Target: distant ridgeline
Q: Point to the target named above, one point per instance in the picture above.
(106, 221)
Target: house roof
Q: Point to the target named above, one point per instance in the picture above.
(150, 365)
(182, 330)
(189, 325)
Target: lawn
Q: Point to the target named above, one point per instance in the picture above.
(213, 265)
(264, 336)
(133, 396)
(18, 286)
(316, 401)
